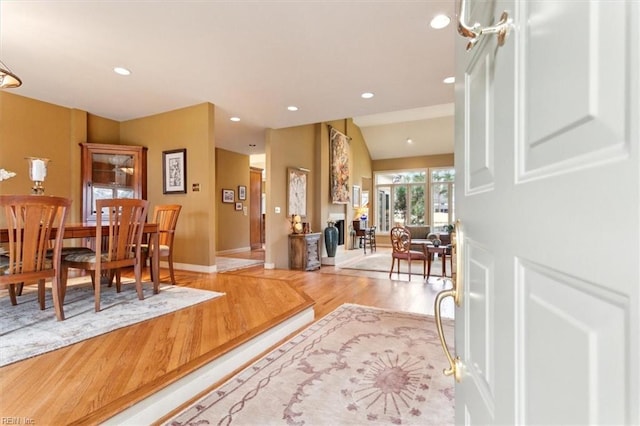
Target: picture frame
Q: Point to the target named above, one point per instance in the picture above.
(356, 196)
(174, 171)
(297, 191)
(238, 206)
(228, 196)
(242, 192)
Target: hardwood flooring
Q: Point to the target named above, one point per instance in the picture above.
(91, 381)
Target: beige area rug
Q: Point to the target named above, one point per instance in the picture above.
(382, 262)
(356, 366)
(226, 264)
(26, 331)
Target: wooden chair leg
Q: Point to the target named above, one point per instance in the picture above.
(170, 260)
(137, 268)
(393, 263)
(12, 294)
(41, 294)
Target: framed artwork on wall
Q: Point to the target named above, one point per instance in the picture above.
(242, 192)
(228, 196)
(297, 192)
(339, 161)
(356, 196)
(238, 206)
(174, 171)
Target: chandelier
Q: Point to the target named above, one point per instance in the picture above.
(8, 80)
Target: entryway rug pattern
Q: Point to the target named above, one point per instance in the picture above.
(356, 366)
(26, 331)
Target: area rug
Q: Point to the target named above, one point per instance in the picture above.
(227, 264)
(382, 262)
(356, 366)
(26, 331)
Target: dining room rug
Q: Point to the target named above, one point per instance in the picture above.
(26, 331)
(382, 262)
(358, 365)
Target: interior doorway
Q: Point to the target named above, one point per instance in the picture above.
(256, 216)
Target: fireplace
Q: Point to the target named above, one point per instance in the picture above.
(340, 225)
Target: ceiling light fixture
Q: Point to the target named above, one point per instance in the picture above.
(367, 95)
(292, 108)
(8, 80)
(449, 80)
(440, 21)
(236, 119)
(409, 140)
(121, 71)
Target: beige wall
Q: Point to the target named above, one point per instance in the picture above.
(102, 130)
(233, 225)
(307, 147)
(31, 128)
(190, 128)
(443, 160)
(290, 147)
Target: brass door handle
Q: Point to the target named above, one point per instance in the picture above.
(475, 32)
(455, 365)
(457, 238)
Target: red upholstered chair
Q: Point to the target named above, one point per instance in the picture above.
(401, 244)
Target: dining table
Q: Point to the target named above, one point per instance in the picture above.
(88, 230)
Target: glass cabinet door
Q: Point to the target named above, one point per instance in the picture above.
(111, 171)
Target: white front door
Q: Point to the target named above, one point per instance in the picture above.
(548, 192)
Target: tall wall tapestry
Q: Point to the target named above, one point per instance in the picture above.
(339, 158)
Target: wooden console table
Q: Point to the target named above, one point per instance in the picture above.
(304, 251)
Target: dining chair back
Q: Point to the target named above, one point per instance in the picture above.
(401, 250)
(32, 222)
(124, 220)
(166, 216)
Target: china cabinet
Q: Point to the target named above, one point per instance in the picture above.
(111, 171)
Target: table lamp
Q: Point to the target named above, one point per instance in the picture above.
(37, 173)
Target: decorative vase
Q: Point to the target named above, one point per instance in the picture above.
(331, 239)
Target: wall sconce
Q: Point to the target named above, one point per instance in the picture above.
(37, 173)
(8, 80)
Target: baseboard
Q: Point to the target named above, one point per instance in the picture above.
(171, 397)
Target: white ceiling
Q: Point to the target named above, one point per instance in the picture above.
(250, 58)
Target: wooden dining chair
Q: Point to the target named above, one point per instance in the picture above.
(401, 250)
(32, 221)
(124, 219)
(166, 216)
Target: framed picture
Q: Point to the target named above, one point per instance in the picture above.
(356, 196)
(297, 192)
(242, 192)
(228, 196)
(238, 206)
(174, 171)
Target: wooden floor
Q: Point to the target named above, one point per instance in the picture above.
(91, 381)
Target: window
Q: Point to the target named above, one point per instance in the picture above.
(400, 198)
(442, 196)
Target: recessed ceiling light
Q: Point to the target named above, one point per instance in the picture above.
(440, 21)
(367, 95)
(409, 140)
(235, 119)
(292, 108)
(449, 80)
(121, 71)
